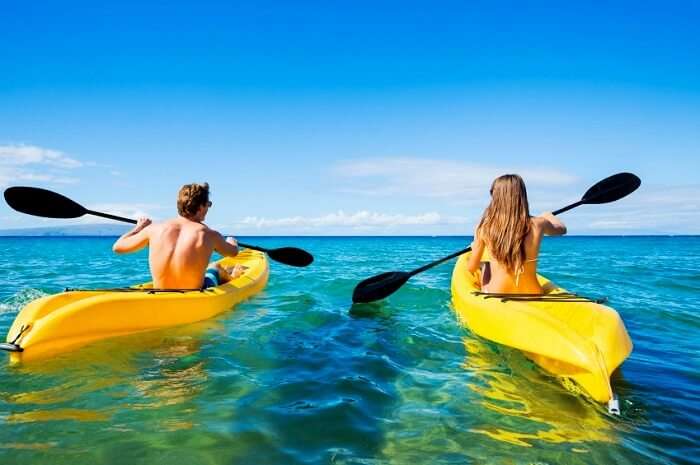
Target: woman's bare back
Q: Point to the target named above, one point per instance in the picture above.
(496, 278)
(523, 280)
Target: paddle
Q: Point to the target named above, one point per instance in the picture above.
(383, 285)
(48, 204)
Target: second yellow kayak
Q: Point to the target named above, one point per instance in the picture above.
(566, 335)
(65, 321)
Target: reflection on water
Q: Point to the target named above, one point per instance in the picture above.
(293, 377)
(176, 379)
(536, 414)
(111, 371)
(56, 414)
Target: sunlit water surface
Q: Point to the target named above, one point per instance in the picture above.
(298, 375)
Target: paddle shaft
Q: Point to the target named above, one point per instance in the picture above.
(382, 285)
(437, 262)
(45, 203)
(132, 221)
(567, 208)
(463, 251)
(111, 217)
(612, 187)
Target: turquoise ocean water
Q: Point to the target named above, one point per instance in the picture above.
(298, 375)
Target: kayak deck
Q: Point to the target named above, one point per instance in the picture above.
(569, 337)
(62, 322)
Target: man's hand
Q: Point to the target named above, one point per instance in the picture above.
(141, 223)
(228, 247)
(134, 240)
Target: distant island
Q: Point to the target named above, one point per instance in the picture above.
(72, 230)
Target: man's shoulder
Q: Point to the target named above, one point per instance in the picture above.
(213, 233)
(166, 222)
(201, 228)
(172, 223)
(183, 222)
(183, 226)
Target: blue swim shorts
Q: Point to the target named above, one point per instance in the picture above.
(211, 278)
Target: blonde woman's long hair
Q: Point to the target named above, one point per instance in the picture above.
(506, 221)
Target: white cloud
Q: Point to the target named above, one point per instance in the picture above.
(20, 154)
(464, 186)
(435, 178)
(652, 209)
(358, 220)
(29, 163)
(10, 176)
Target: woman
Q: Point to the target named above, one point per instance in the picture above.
(512, 238)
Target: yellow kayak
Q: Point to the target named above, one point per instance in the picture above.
(65, 321)
(567, 335)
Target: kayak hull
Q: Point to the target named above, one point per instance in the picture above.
(65, 321)
(580, 340)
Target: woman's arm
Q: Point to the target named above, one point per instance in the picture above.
(551, 225)
(477, 251)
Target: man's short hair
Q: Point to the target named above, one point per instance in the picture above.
(191, 197)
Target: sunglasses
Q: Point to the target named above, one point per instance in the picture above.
(209, 204)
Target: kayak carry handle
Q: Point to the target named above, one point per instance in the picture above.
(13, 346)
(10, 347)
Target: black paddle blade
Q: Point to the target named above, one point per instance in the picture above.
(379, 287)
(291, 256)
(41, 202)
(612, 188)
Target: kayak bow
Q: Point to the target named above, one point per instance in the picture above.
(567, 335)
(63, 322)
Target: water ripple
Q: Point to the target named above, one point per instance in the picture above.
(300, 375)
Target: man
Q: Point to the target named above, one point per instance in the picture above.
(180, 248)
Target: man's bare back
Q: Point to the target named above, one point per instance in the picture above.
(179, 249)
(179, 252)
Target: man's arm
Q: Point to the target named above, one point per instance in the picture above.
(134, 240)
(228, 247)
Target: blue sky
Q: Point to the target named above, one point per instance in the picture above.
(354, 117)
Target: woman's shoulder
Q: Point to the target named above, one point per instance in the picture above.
(538, 223)
(548, 224)
(540, 220)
